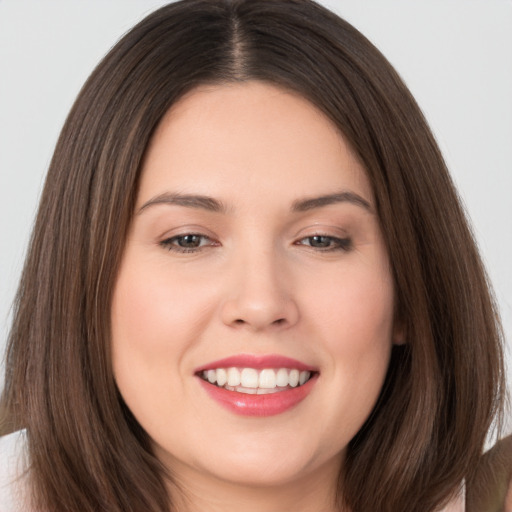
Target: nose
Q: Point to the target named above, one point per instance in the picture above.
(260, 294)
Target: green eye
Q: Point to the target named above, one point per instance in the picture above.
(189, 242)
(326, 243)
(320, 241)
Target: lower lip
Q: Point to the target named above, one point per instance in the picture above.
(270, 404)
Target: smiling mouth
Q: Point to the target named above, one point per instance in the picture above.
(256, 382)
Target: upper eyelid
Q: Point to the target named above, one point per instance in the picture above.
(329, 230)
(185, 230)
(346, 240)
(183, 235)
(168, 240)
(325, 228)
(325, 235)
(167, 243)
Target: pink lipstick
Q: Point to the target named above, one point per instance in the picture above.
(257, 385)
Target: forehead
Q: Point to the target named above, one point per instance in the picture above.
(237, 140)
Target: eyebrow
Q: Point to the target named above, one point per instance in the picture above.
(311, 203)
(214, 205)
(188, 200)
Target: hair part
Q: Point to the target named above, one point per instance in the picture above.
(444, 386)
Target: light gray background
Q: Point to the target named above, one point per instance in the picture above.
(455, 55)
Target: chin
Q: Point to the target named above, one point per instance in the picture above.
(258, 472)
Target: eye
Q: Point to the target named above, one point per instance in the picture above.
(189, 242)
(326, 243)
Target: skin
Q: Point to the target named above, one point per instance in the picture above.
(257, 284)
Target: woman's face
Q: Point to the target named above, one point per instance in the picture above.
(254, 260)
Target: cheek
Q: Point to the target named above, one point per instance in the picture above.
(354, 326)
(156, 320)
(154, 314)
(358, 337)
(354, 308)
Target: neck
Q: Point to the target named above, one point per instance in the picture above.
(315, 492)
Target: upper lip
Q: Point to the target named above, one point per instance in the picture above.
(256, 361)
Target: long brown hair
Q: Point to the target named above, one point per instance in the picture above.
(444, 386)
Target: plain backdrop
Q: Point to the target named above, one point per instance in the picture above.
(455, 55)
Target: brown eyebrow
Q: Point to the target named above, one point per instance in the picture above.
(306, 204)
(214, 205)
(187, 200)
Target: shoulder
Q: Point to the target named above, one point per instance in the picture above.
(457, 504)
(13, 471)
(491, 488)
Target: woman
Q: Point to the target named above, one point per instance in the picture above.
(245, 285)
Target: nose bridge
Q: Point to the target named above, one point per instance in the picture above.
(259, 295)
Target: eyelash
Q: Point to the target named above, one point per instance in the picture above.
(335, 243)
(171, 244)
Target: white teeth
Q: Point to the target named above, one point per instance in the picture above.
(282, 377)
(233, 377)
(293, 378)
(250, 380)
(304, 376)
(252, 391)
(222, 376)
(212, 376)
(267, 379)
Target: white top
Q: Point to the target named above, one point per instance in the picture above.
(13, 468)
(13, 464)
